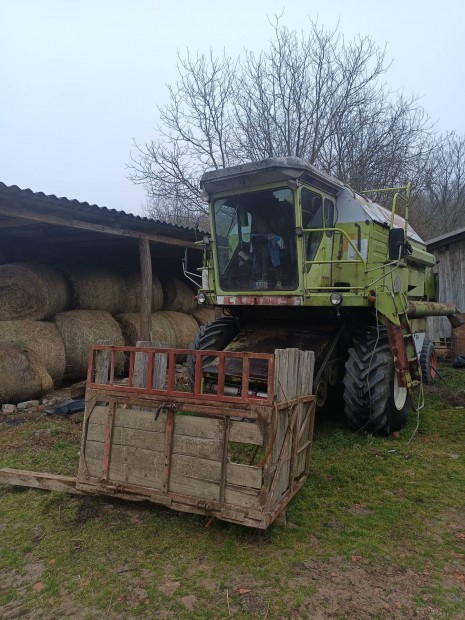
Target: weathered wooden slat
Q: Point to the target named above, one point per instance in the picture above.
(202, 489)
(244, 475)
(39, 480)
(245, 432)
(192, 426)
(121, 471)
(149, 440)
(123, 436)
(193, 467)
(246, 498)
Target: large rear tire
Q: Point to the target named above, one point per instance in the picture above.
(373, 400)
(214, 336)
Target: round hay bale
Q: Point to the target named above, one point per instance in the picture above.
(177, 295)
(31, 291)
(204, 315)
(162, 328)
(23, 377)
(185, 328)
(131, 301)
(42, 339)
(96, 288)
(81, 328)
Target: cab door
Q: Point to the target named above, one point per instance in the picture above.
(317, 215)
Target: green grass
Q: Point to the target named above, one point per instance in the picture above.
(382, 514)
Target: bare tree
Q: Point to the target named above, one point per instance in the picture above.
(293, 97)
(311, 95)
(194, 133)
(440, 207)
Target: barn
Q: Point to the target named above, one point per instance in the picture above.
(449, 250)
(72, 273)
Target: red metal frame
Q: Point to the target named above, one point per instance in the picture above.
(244, 398)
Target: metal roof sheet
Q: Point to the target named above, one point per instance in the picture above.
(453, 235)
(92, 212)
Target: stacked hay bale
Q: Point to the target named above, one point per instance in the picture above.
(82, 328)
(32, 353)
(175, 329)
(48, 320)
(30, 291)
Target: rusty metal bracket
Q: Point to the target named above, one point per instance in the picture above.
(165, 408)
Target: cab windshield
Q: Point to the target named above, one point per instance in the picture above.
(256, 241)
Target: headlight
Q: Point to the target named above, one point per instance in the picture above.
(336, 299)
(201, 298)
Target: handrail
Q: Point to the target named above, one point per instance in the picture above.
(344, 234)
(407, 189)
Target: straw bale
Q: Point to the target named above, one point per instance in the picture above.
(178, 295)
(81, 328)
(42, 339)
(132, 293)
(96, 288)
(162, 328)
(185, 328)
(23, 377)
(31, 291)
(204, 315)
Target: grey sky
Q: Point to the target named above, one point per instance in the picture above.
(81, 78)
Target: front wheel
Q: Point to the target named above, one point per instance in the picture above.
(374, 402)
(214, 336)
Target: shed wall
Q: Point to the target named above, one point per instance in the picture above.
(451, 270)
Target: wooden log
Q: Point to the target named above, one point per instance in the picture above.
(145, 290)
(39, 480)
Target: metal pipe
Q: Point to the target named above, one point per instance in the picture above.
(422, 309)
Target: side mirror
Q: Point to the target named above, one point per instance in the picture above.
(396, 242)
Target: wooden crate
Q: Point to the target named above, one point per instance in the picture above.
(240, 459)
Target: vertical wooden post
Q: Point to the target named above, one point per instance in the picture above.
(160, 364)
(102, 364)
(145, 290)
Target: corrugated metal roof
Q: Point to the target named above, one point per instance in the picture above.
(450, 237)
(91, 212)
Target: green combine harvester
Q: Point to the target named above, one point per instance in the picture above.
(297, 258)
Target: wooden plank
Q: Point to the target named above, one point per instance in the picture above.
(122, 436)
(245, 432)
(196, 488)
(39, 480)
(168, 448)
(196, 468)
(197, 446)
(244, 497)
(120, 471)
(244, 475)
(192, 426)
(159, 362)
(149, 440)
(102, 364)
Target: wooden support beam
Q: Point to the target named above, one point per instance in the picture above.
(38, 480)
(145, 332)
(70, 222)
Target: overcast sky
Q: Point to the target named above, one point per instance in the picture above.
(81, 78)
